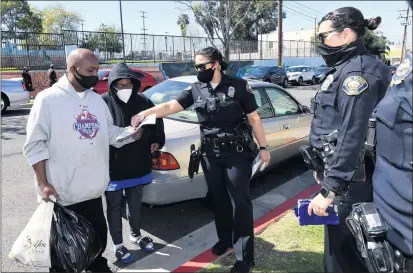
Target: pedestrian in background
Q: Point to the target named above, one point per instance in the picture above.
(51, 73)
(354, 84)
(130, 167)
(27, 79)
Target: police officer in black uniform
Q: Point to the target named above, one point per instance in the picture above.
(355, 83)
(52, 75)
(27, 79)
(226, 110)
(392, 179)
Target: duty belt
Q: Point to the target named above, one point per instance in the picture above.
(402, 263)
(223, 144)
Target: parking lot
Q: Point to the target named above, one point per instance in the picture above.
(164, 223)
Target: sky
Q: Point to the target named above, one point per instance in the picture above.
(162, 15)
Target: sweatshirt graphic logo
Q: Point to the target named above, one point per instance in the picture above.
(86, 124)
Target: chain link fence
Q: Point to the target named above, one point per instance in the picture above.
(39, 50)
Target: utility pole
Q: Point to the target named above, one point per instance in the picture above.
(280, 32)
(404, 23)
(144, 31)
(121, 27)
(166, 42)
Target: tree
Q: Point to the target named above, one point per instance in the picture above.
(19, 16)
(183, 22)
(56, 19)
(106, 39)
(227, 19)
(378, 45)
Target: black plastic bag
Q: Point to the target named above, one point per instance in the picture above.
(74, 243)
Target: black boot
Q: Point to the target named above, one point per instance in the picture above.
(220, 248)
(242, 267)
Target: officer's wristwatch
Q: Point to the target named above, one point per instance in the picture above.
(327, 193)
(265, 148)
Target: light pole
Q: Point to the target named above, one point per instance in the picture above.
(121, 27)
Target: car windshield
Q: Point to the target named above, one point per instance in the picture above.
(168, 90)
(321, 70)
(259, 71)
(294, 69)
(101, 73)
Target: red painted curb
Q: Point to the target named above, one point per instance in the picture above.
(260, 224)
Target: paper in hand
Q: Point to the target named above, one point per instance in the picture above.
(149, 120)
(256, 164)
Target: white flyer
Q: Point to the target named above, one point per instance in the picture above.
(256, 164)
(149, 120)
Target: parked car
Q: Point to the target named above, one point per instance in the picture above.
(286, 123)
(319, 72)
(13, 93)
(147, 80)
(300, 75)
(272, 74)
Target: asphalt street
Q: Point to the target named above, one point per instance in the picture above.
(164, 223)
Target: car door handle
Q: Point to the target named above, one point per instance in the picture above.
(286, 126)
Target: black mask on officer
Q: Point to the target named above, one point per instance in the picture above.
(85, 81)
(206, 75)
(333, 54)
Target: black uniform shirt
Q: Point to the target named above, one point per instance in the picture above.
(345, 103)
(392, 179)
(234, 99)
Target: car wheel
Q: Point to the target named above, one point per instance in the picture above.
(4, 103)
(313, 81)
(300, 82)
(285, 84)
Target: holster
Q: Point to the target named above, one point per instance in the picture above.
(194, 161)
(369, 230)
(311, 159)
(370, 144)
(243, 138)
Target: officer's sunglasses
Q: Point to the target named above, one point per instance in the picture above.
(323, 35)
(203, 66)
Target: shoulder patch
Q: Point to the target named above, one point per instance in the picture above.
(354, 85)
(404, 70)
(249, 88)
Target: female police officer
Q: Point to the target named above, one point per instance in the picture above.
(354, 84)
(223, 104)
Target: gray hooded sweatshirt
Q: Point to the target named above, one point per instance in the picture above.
(73, 135)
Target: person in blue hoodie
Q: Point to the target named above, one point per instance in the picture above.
(129, 166)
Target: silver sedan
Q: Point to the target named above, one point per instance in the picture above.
(13, 93)
(286, 123)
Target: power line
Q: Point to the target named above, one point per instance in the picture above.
(404, 23)
(299, 13)
(317, 12)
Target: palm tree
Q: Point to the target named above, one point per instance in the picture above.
(183, 22)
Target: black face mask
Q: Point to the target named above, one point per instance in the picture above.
(332, 55)
(206, 75)
(86, 81)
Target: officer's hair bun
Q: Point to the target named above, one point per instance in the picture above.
(372, 23)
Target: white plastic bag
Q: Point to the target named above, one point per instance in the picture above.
(32, 247)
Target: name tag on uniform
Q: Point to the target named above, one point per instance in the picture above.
(231, 91)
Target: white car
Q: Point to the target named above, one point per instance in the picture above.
(13, 93)
(286, 123)
(300, 75)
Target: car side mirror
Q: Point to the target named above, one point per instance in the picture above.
(306, 109)
(105, 79)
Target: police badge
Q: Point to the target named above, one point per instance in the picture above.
(404, 69)
(327, 82)
(231, 91)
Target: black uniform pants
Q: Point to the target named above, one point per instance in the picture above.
(340, 247)
(92, 210)
(228, 181)
(114, 212)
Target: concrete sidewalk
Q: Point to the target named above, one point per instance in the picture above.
(190, 253)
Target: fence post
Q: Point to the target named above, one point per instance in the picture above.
(131, 48)
(153, 48)
(27, 48)
(106, 47)
(190, 46)
(173, 49)
(304, 49)
(249, 49)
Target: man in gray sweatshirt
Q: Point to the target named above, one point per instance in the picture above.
(69, 131)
